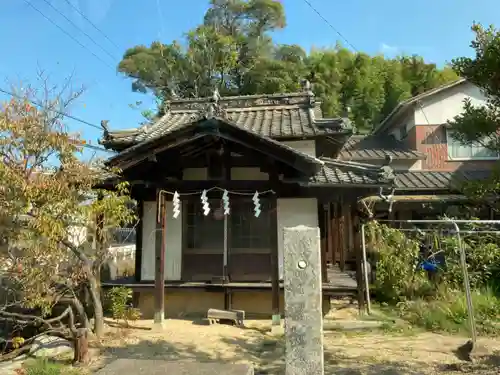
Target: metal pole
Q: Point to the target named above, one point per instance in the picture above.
(441, 221)
(461, 232)
(365, 270)
(468, 296)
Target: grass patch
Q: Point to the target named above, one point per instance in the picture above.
(43, 366)
(448, 312)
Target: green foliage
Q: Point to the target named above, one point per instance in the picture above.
(119, 305)
(397, 256)
(233, 50)
(483, 260)
(437, 306)
(43, 366)
(481, 124)
(448, 312)
(48, 199)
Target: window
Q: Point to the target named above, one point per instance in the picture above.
(250, 240)
(458, 151)
(202, 258)
(248, 231)
(204, 232)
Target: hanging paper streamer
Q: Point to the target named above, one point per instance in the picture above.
(256, 202)
(177, 205)
(225, 202)
(204, 202)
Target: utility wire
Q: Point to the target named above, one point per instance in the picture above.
(330, 24)
(68, 34)
(79, 29)
(54, 110)
(91, 23)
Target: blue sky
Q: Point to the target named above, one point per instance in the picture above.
(438, 30)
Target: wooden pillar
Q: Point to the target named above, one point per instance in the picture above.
(348, 234)
(334, 227)
(359, 264)
(138, 241)
(228, 297)
(160, 262)
(275, 273)
(342, 233)
(275, 270)
(325, 247)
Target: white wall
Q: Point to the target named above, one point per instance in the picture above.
(246, 174)
(148, 240)
(444, 106)
(292, 212)
(173, 243)
(195, 174)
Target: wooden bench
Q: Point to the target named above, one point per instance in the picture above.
(237, 317)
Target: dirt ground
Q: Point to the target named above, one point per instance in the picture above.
(373, 352)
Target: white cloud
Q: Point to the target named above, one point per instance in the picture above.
(387, 49)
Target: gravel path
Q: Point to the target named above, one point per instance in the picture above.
(345, 353)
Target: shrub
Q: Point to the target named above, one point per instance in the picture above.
(118, 299)
(397, 276)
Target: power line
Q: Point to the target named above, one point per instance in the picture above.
(330, 24)
(79, 29)
(62, 114)
(91, 23)
(68, 34)
(54, 110)
(97, 148)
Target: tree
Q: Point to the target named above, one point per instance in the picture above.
(481, 124)
(218, 53)
(48, 203)
(233, 50)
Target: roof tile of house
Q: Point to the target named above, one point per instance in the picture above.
(434, 180)
(278, 116)
(370, 147)
(339, 172)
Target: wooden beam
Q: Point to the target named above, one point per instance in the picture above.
(329, 233)
(199, 185)
(324, 248)
(335, 228)
(347, 233)
(359, 266)
(275, 273)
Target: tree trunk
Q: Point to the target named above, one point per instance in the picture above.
(97, 303)
(81, 346)
(80, 309)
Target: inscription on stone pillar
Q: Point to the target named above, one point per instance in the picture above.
(303, 301)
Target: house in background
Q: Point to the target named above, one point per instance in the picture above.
(277, 145)
(427, 186)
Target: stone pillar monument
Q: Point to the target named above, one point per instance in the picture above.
(303, 301)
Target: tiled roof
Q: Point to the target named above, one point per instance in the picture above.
(370, 147)
(276, 116)
(338, 172)
(175, 134)
(433, 180)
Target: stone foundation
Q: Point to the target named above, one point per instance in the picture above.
(195, 303)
